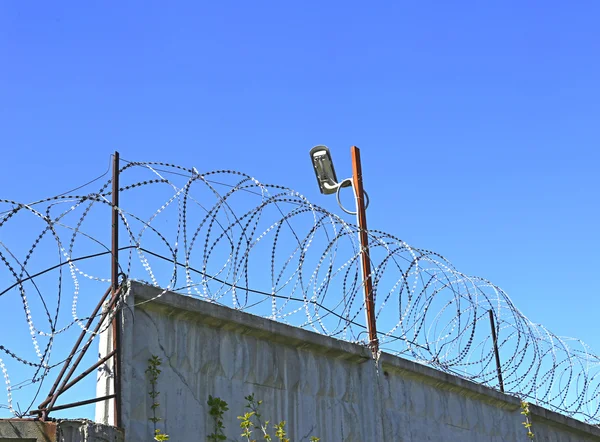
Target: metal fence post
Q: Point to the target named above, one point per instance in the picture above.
(116, 323)
(364, 246)
(495, 340)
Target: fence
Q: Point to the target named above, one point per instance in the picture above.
(225, 237)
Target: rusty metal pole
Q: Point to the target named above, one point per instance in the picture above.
(114, 275)
(498, 368)
(67, 377)
(364, 246)
(65, 367)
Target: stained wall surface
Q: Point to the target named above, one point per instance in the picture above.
(319, 385)
(64, 430)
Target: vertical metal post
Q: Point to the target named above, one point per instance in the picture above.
(116, 323)
(498, 368)
(364, 245)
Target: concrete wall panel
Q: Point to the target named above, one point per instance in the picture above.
(319, 385)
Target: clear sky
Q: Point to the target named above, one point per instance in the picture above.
(479, 124)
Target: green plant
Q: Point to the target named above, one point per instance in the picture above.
(249, 421)
(153, 371)
(527, 424)
(217, 407)
(254, 414)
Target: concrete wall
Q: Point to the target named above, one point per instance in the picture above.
(69, 430)
(319, 385)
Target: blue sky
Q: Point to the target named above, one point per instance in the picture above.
(478, 124)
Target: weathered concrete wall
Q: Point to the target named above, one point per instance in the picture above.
(29, 430)
(319, 385)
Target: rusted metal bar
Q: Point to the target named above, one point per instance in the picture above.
(103, 317)
(496, 352)
(88, 371)
(74, 350)
(46, 406)
(364, 245)
(74, 404)
(114, 276)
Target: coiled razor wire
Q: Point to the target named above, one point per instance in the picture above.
(224, 237)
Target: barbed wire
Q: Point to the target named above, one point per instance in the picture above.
(225, 237)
